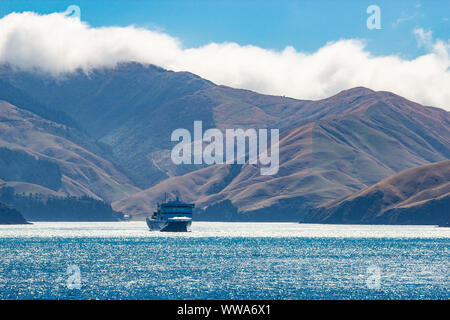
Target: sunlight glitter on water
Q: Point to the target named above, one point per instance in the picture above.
(224, 261)
(220, 229)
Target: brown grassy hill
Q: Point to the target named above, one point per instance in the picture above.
(83, 172)
(418, 195)
(134, 108)
(366, 136)
(31, 188)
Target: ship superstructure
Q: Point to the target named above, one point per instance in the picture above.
(175, 216)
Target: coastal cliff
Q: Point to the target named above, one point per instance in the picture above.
(11, 216)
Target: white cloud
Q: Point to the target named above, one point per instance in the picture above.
(56, 44)
(424, 38)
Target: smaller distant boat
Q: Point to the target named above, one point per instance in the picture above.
(171, 216)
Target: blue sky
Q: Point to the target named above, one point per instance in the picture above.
(306, 25)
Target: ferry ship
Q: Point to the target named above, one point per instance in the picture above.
(171, 216)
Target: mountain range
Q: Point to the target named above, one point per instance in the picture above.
(106, 134)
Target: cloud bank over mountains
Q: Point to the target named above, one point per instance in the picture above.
(58, 44)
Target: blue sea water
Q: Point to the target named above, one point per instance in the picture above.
(224, 261)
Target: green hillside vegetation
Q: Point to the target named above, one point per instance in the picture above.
(35, 207)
